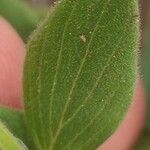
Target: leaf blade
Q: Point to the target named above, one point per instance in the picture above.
(76, 67)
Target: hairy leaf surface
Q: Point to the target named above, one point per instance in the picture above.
(80, 72)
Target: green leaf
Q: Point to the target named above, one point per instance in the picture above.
(8, 141)
(14, 120)
(146, 71)
(23, 18)
(143, 143)
(80, 73)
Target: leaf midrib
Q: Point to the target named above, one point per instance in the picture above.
(60, 126)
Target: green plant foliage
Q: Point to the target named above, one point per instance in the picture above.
(8, 141)
(143, 143)
(146, 71)
(23, 18)
(80, 73)
(14, 120)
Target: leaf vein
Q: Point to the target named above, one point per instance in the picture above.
(90, 123)
(93, 88)
(91, 138)
(79, 72)
(58, 66)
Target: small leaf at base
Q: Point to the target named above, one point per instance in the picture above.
(8, 141)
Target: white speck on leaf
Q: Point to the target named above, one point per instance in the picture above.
(83, 38)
